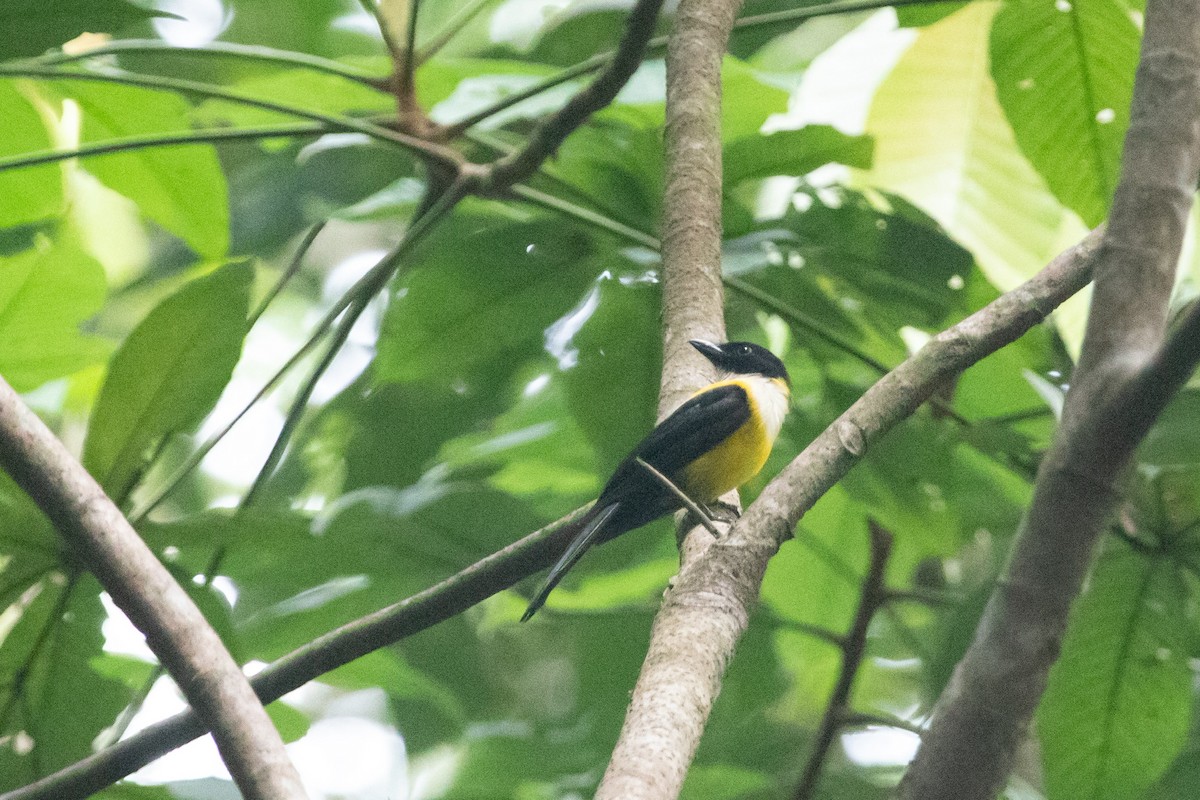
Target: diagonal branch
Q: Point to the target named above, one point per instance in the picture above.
(812, 473)
(175, 629)
(871, 598)
(1125, 376)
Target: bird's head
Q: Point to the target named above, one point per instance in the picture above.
(742, 358)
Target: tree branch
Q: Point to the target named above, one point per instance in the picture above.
(175, 629)
(1124, 378)
(854, 648)
(812, 473)
(681, 674)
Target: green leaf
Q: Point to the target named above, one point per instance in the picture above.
(1175, 438)
(31, 28)
(168, 374)
(45, 293)
(180, 188)
(941, 140)
(481, 289)
(291, 722)
(1064, 76)
(861, 264)
(53, 693)
(1117, 707)
(536, 444)
(32, 193)
(757, 99)
(302, 88)
(796, 152)
(617, 352)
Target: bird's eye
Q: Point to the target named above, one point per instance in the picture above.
(745, 349)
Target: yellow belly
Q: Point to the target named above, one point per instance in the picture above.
(730, 464)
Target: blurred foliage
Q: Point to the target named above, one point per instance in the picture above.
(515, 358)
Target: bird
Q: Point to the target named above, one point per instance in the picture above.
(717, 440)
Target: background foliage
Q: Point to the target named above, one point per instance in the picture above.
(147, 294)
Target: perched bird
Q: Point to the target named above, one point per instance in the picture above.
(716, 441)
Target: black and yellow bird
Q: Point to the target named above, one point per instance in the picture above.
(716, 441)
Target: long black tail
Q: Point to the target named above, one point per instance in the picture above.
(591, 525)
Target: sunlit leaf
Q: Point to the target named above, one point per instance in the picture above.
(32, 193)
(46, 292)
(180, 188)
(1064, 76)
(168, 374)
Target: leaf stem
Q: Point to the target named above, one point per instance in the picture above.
(207, 136)
(436, 152)
(270, 55)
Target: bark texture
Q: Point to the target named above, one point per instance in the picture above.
(1127, 372)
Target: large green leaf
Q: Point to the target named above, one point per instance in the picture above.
(46, 681)
(617, 353)
(1117, 707)
(181, 188)
(1064, 76)
(30, 28)
(33, 193)
(941, 140)
(795, 152)
(168, 374)
(305, 89)
(482, 288)
(45, 293)
(858, 265)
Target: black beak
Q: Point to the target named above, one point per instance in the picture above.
(707, 349)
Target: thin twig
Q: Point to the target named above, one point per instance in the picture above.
(460, 20)
(599, 93)
(270, 55)
(166, 140)
(600, 60)
(688, 503)
(395, 50)
(435, 152)
(854, 648)
(289, 272)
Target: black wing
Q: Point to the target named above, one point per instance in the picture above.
(692, 430)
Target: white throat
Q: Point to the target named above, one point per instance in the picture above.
(772, 401)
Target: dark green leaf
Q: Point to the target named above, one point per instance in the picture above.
(1117, 708)
(796, 152)
(617, 353)
(31, 28)
(168, 374)
(1175, 438)
(54, 696)
(481, 289)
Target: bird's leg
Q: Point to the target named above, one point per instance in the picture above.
(688, 502)
(720, 511)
